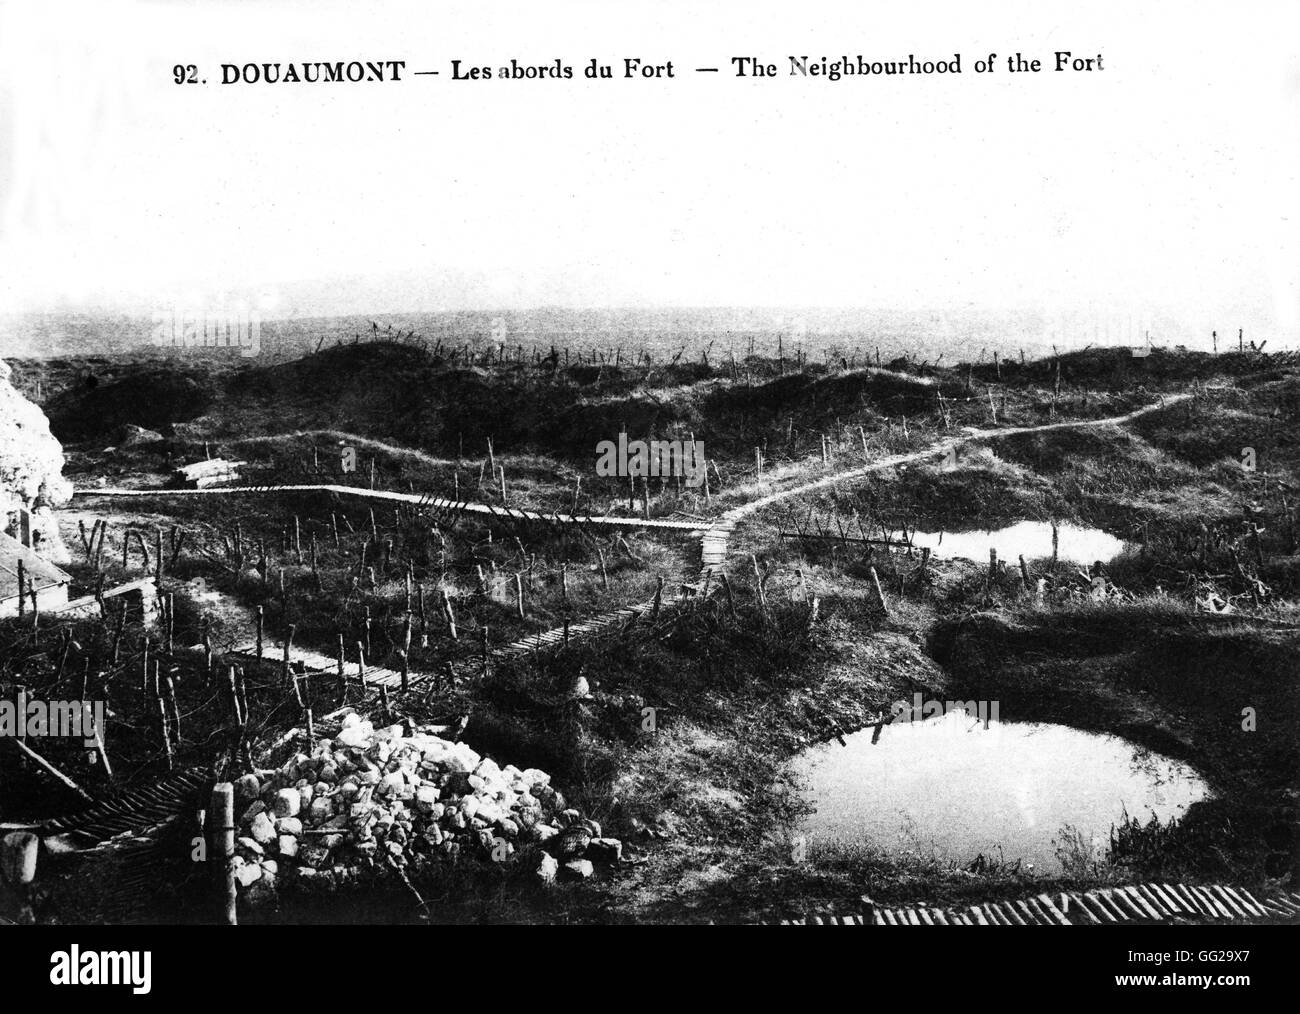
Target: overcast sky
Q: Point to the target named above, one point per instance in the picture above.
(1165, 183)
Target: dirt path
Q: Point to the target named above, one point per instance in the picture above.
(736, 514)
(342, 437)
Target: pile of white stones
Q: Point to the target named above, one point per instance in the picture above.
(377, 798)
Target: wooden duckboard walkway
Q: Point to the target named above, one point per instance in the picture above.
(1147, 903)
(413, 499)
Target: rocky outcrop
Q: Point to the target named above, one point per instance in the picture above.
(31, 471)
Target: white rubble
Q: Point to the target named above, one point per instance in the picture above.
(378, 798)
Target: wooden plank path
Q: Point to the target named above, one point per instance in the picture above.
(133, 811)
(416, 499)
(713, 545)
(1147, 903)
(313, 662)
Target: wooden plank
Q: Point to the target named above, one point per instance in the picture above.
(1009, 913)
(48, 768)
(1052, 910)
(1103, 899)
(1122, 904)
(1140, 903)
(1198, 906)
(1250, 898)
(1217, 906)
(1154, 900)
(978, 916)
(1171, 900)
(924, 913)
(1092, 914)
(1094, 905)
(1230, 901)
(1031, 917)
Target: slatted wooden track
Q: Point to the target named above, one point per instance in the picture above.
(412, 499)
(132, 812)
(313, 662)
(713, 545)
(1147, 903)
(129, 874)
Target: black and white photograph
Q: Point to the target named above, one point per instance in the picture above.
(570, 464)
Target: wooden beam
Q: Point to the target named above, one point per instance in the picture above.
(48, 768)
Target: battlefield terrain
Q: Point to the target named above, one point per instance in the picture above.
(405, 575)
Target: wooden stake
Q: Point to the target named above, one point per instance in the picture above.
(117, 633)
(880, 594)
(449, 613)
(221, 824)
(174, 711)
(47, 767)
(242, 691)
(284, 665)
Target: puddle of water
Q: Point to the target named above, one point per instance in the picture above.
(951, 786)
(1032, 539)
